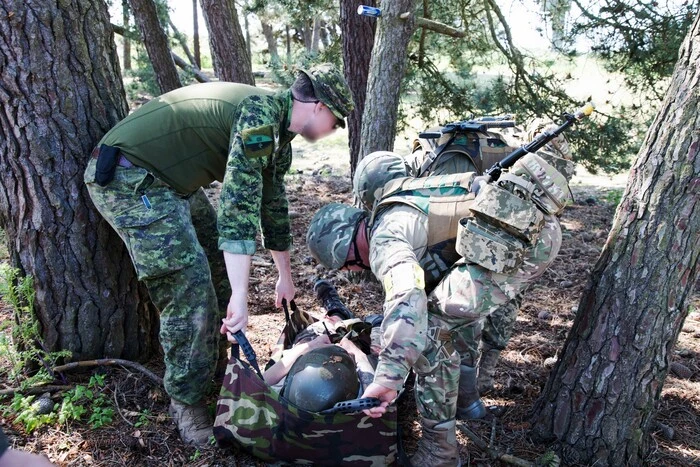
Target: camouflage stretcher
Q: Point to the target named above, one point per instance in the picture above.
(254, 418)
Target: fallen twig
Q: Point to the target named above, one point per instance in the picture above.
(493, 452)
(33, 390)
(111, 361)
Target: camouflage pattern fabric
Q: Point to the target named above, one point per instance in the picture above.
(373, 172)
(253, 192)
(254, 418)
(466, 294)
(156, 226)
(457, 307)
(331, 88)
(204, 221)
(497, 328)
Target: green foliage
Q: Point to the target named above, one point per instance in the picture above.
(89, 400)
(26, 411)
(24, 349)
(614, 196)
(82, 400)
(638, 38)
(144, 78)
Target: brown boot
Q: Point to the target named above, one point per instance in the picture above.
(193, 422)
(487, 369)
(469, 405)
(438, 446)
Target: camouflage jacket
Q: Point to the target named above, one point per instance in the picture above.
(253, 191)
(400, 259)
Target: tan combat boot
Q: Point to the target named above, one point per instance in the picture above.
(487, 369)
(469, 404)
(438, 446)
(193, 422)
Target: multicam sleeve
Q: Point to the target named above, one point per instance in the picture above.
(397, 234)
(275, 208)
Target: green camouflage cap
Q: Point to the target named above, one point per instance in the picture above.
(331, 232)
(373, 172)
(331, 88)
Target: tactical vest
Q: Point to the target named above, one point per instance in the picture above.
(492, 229)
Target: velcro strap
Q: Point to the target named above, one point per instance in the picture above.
(403, 277)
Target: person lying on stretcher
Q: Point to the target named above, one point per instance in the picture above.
(332, 360)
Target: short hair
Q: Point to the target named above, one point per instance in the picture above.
(303, 89)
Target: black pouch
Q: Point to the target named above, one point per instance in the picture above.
(107, 161)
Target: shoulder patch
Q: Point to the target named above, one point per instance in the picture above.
(258, 142)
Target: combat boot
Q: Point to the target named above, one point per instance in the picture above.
(438, 446)
(469, 404)
(487, 369)
(193, 422)
(326, 293)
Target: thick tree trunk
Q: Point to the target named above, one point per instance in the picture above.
(357, 34)
(195, 36)
(601, 397)
(60, 91)
(271, 40)
(386, 71)
(156, 44)
(126, 51)
(226, 41)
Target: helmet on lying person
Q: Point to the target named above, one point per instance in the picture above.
(321, 378)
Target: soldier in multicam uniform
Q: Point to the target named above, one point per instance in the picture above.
(498, 326)
(145, 178)
(434, 301)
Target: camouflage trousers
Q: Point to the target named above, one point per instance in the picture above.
(498, 326)
(171, 257)
(457, 308)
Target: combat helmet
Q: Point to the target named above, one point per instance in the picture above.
(321, 378)
(331, 233)
(331, 88)
(374, 171)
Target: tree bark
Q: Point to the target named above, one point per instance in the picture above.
(156, 43)
(271, 40)
(182, 40)
(316, 35)
(60, 91)
(357, 35)
(126, 51)
(601, 397)
(227, 44)
(195, 36)
(386, 71)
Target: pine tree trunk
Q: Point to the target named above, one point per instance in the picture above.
(156, 44)
(60, 91)
(600, 400)
(127, 42)
(357, 34)
(316, 35)
(271, 40)
(195, 36)
(386, 71)
(226, 41)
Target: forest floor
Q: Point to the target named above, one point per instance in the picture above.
(142, 434)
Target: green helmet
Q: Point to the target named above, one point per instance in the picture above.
(321, 378)
(374, 171)
(331, 232)
(331, 88)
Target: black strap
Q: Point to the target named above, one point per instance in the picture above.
(353, 405)
(247, 351)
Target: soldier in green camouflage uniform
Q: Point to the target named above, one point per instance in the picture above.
(434, 306)
(160, 157)
(498, 326)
